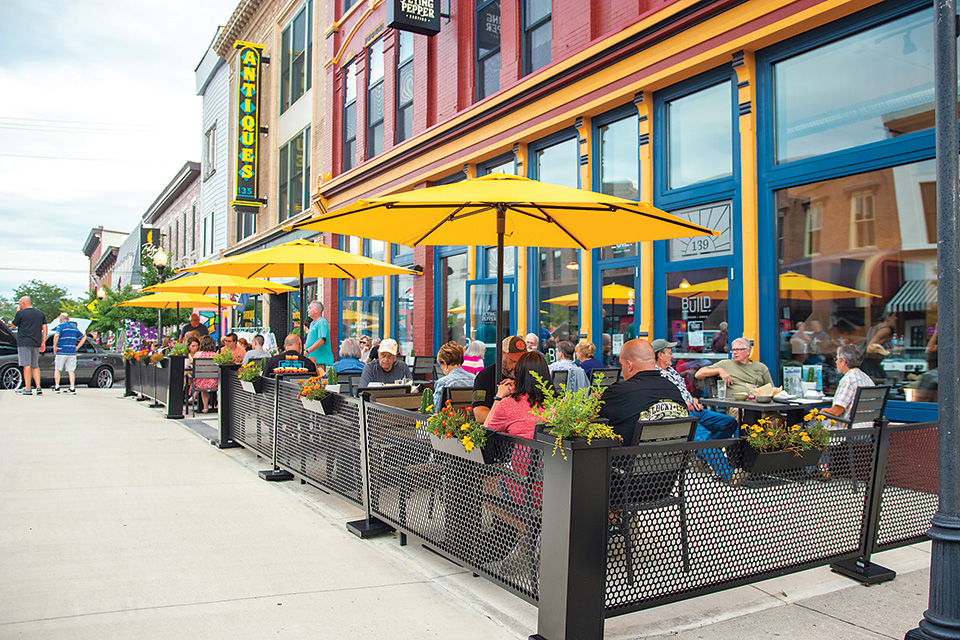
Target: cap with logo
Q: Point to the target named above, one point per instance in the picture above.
(660, 344)
(514, 346)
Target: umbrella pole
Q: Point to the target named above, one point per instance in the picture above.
(219, 315)
(303, 335)
(501, 229)
(178, 319)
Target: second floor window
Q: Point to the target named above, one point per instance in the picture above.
(375, 99)
(404, 85)
(294, 193)
(537, 34)
(488, 48)
(814, 225)
(861, 210)
(295, 68)
(210, 151)
(349, 117)
(246, 225)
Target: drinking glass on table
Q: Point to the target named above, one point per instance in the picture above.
(722, 389)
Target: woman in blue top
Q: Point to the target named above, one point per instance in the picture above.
(450, 359)
(584, 355)
(349, 361)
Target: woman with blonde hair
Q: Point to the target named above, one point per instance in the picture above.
(450, 359)
(584, 354)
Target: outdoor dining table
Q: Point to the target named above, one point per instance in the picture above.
(750, 410)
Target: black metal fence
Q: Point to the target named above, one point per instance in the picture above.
(164, 385)
(625, 528)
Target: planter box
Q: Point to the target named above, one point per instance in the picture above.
(255, 386)
(541, 434)
(454, 447)
(323, 407)
(771, 461)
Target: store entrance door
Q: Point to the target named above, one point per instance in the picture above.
(482, 313)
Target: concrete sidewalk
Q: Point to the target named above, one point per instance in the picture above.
(115, 522)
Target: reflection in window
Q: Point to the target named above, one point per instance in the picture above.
(867, 87)
(619, 159)
(700, 137)
(488, 48)
(618, 313)
(404, 126)
(452, 293)
(295, 175)
(697, 316)
(537, 34)
(876, 266)
(509, 261)
(349, 117)
(814, 224)
(375, 98)
(404, 330)
(296, 43)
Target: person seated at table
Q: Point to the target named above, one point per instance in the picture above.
(385, 369)
(849, 358)
(518, 397)
(711, 425)
(642, 393)
(450, 359)
(291, 361)
(576, 378)
(740, 373)
(257, 352)
(584, 353)
(232, 346)
(349, 357)
(485, 384)
(193, 347)
(205, 386)
(473, 357)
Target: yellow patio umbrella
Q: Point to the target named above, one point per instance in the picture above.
(300, 258)
(793, 286)
(504, 210)
(215, 283)
(611, 293)
(174, 300)
(461, 309)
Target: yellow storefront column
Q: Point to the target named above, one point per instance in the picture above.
(470, 171)
(745, 67)
(584, 133)
(520, 277)
(644, 295)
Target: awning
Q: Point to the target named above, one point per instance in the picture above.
(914, 295)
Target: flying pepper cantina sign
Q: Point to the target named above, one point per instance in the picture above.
(248, 123)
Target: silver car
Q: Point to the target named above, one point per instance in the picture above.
(95, 366)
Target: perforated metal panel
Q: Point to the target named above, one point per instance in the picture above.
(484, 516)
(910, 489)
(250, 415)
(323, 449)
(678, 530)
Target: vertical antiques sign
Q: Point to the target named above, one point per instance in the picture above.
(417, 16)
(249, 57)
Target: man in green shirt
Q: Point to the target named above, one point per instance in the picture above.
(740, 374)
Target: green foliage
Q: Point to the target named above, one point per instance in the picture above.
(331, 375)
(249, 372)
(223, 357)
(43, 296)
(180, 349)
(775, 435)
(570, 415)
(426, 401)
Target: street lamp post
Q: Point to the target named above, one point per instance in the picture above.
(160, 261)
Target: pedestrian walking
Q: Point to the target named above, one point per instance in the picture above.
(31, 328)
(67, 338)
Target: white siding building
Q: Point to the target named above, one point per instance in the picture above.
(213, 83)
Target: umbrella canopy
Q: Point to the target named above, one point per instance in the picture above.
(461, 309)
(214, 283)
(793, 286)
(300, 258)
(611, 293)
(504, 210)
(169, 300)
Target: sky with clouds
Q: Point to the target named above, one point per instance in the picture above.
(99, 111)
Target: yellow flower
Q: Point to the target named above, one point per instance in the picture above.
(464, 427)
(805, 437)
(796, 427)
(763, 421)
(756, 428)
(769, 433)
(419, 424)
(753, 435)
(810, 416)
(467, 443)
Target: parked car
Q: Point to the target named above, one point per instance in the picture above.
(95, 366)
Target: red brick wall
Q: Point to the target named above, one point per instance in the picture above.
(423, 302)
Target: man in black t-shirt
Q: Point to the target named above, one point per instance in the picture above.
(291, 362)
(31, 327)
(643, 394)
(485, 384)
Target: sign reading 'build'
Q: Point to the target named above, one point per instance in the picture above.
(248, 123)
(418, 16)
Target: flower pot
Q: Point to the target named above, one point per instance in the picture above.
(254, 386)
(770, 461)
(324, 406)
(333, 388)
(542, 434)
(454, 447)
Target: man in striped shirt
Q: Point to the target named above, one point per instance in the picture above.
(849, 357)
(66, 340)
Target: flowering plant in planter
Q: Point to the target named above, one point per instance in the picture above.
(129, 354)
(156, 357)
(224, 358)
(313, 388)
(143, 356)
(180, 349)
(571, 415)
(249, 372)
(455, 423)
(774, 435)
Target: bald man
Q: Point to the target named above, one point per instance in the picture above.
(31, 327)
(642, 394)
(291, 362)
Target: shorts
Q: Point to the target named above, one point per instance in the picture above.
(66, 363)
(28, 356)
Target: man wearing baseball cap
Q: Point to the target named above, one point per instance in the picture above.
(485, 384)
(386, 369)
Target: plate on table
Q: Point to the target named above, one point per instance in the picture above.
(783, 396)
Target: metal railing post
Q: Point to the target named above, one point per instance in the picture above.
(175, 364)
(224, 411)
(276, 474)
(127, 379)
(370, 526)
(576, 504)
(860, 568)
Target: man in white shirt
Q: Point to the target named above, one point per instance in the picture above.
(576, 377)
(849, 358)
(257, 352)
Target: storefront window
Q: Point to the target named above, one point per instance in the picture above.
(620, 159)
(700, 137)
(867, 87)
(252, 314)
(509, 261)
(617, 313)
(697, 320)
(871, 282)
(405, 313)
(453, 295)
(293, 311)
